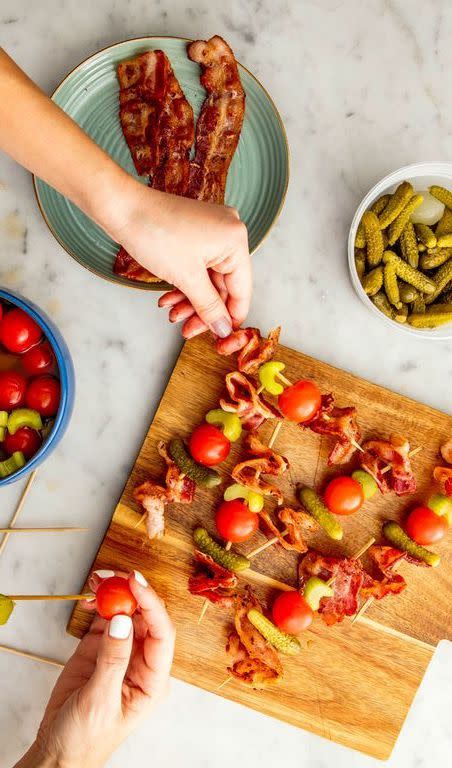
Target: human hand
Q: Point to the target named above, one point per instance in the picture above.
(201, 248)
(117, 675)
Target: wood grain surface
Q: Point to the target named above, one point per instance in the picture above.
(352, 683)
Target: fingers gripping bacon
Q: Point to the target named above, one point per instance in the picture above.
(255, 661)
(212, 581)
(252, 348)
(348, 577)
(246, 403)
(340, 422)
(385, 559)
(393, 453)
(262, 461)
(126, 266)
(296, 522)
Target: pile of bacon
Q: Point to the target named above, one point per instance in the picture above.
(158, 125)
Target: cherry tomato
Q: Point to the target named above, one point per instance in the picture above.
(235, 522)
(43, 395)
(25, 439)
(344, 496)
(114, 596)
(12, 390)
(19, 332)
(208, 445)
(1, 311)
(301, 401)
(424, 526)
(38, 359)
(291, 613)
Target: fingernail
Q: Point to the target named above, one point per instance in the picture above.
(140, 578)
(120, 627)
(222, 328)
(104, 574)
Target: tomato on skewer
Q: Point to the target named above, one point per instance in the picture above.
(208, 445)
(114, 597)
(291, 613)
(301, 401)
(235, 522)
(424, 526)
(344, 495)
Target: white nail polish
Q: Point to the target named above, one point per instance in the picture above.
(120, 627)
(140, 578)
(104, 574)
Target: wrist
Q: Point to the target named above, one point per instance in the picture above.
(108, 197)
(36, 757)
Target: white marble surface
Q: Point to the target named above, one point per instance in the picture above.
(363, 89)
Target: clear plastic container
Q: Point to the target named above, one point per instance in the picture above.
(422, 176)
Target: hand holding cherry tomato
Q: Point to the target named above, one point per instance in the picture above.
(208, 445)
(18, 331)
(344, 496)
(113, 597)
(424, 526)
(301, 401)
(291, 612)
(235, 522)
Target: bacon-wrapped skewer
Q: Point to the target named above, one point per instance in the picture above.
(253, 349)
(262, 461)
(393, 453)
(296, 526)
(244, 400)
(212, 581)
(338, 422)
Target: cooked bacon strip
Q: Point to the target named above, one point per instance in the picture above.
(393, 453)
(385, 559)
(252, 348)
(181, 489)
(443, 476)
(126, 266)
(340, 422)
(246, 403)
(255, 661)
(263, 461)
(348, 577)
(212, 581)
(296, 522)
(220, 122)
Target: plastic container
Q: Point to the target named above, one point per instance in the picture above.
(67, 382)
(422, 176)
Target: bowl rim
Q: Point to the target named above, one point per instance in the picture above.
(413, 171)
(161, 285)
(66, 372)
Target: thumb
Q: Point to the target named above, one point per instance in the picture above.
(113, 656)
(208, 304)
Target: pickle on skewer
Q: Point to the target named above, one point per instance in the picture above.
(315, 506)
(409, 246)
(203, 476)
(409, 274)
(374, 238)
(426, 235)
(395, 204)
(225, 557)
(283, 642)
(398, 225)
(397, 536)
(373, 281)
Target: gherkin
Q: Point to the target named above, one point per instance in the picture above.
(381, 302)
(409, 274)
(397, 226)
(373, 281)
(444, 226)
(395, 204)
(374, 238)
(391, 285)
(441, 280)
(445, 241)
(426, 235)
(408, 245)
(442, 194)
(435, 258)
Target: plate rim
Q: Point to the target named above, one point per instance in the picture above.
(161, 285)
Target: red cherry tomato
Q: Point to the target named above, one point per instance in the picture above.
(1, 311)
(12, 390)
(38, 359)
(208, 445)
(343, 496)
(114, 596)
(19, 332)
(43, 395)
(301, 401)
(25, 439)
(291, 613)
(235, 522)
(424, 526)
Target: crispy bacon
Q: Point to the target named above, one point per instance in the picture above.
(263, 461)
(348, 577)
(220, 122)
(126, 266)
(296, 522)
(181, 489)
(246, 403)
(446, 451)
(252, 348)
(443, 476)
(384, 559)
(392, 453)
(212, 581)
(340, 422)
(255, 661)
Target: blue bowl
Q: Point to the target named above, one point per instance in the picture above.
(67, 382)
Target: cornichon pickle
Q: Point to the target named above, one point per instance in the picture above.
(381, 302)
(409, 274)
(373, 281)
(225, 557)
(374, 239)
(398, 225)
(395, 204)
(205, 477)
(442, 194)
(445, 241)
(426, 235)
(435, 258)
(444, 226)
(421, 247)
(315, 506)
(441, 280)
(380, 204)
(409, 246)
(445, 298)
(419, 305)
(360, 262)
(360, 239)
(407, 293)
(283, 642)
(397, 536)
(430, 319)
(401, 314)
(391, 284)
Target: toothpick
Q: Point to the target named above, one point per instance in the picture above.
(18, 509)
(16, 598)
(225, 682)
(358, 554)
(204, 608)
(284, 380)
(228, 546)
(275, 434)
(142, 518)
(32, 656)
(363, 609)
(412, 453)
(268, 543)
(59, 529)
(357, 446)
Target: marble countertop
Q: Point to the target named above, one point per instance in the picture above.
(362, 89)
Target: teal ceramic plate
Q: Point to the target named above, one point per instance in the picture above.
(257, 179)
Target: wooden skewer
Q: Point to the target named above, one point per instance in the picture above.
(284, 380)
(412, 453)
(33, 656)
(142, 518)
(18, 509)
(59, 529)
(268, 543)
(86, 596)
(357, 554)
(225, 682)
(275, 434)
(204, 608)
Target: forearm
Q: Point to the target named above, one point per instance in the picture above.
(42, 138)
(34, 758)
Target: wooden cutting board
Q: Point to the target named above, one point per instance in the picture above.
(352, 683)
